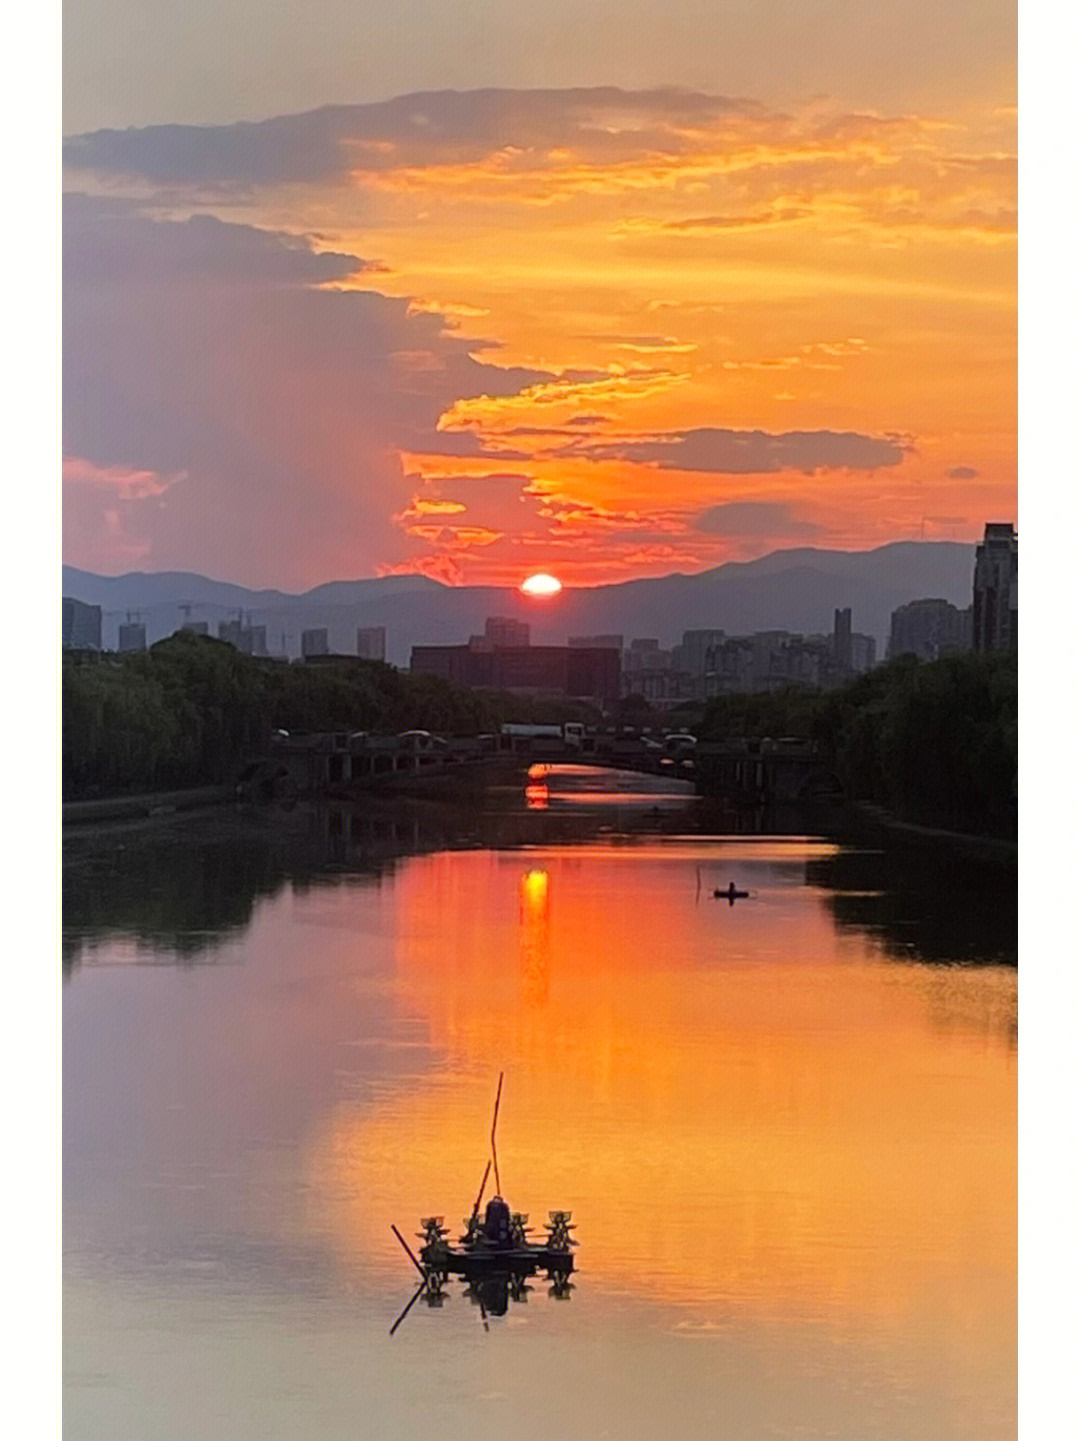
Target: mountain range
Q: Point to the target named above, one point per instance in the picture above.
(793, 590)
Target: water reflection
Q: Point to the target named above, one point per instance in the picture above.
(790, 1146)
(535, 932)
(920, 904)
(179, 890)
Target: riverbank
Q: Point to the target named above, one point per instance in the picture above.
(987, 849)
(157, 803)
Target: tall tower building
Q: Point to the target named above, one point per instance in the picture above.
(994, 599)
(371, 642)
(841, 637)
(314, 642)
(81, 625)
(503, 632)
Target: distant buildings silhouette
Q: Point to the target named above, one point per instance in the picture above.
(604, 668)
(586, 672)
(81, 625)
(994, 606)
(371, 642)
(929, 629)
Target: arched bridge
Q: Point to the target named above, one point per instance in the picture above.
(743, 772)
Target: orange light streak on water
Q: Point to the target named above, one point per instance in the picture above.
(748, 1111)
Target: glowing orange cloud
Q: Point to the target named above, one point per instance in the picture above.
(614, 267)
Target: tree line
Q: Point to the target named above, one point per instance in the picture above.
(932, 742)
(191, 709)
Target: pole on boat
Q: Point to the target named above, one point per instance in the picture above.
(408, 1250)
(480, 1193)
(409, 1305)
(494, 1123)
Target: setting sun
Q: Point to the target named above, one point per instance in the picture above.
(541, 585)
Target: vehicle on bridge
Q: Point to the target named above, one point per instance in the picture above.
(535, 739)
(420, 743)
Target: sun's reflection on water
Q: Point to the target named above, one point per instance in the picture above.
(742, 1108)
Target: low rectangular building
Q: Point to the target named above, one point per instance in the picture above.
(591, 673)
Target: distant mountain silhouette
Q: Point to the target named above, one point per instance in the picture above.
(794, 590)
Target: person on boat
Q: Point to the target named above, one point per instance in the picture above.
(497, 1224)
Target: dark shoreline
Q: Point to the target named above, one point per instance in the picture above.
(856, 823)
(103, 809)
(991, 850)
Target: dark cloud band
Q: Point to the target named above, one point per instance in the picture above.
(752, 452)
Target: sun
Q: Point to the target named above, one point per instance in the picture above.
(541, 585)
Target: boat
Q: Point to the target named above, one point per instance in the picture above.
(494, 1255)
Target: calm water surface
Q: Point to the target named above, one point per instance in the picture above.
(786, 1128)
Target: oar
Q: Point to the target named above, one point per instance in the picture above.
(408, 1251)
(408, 1306)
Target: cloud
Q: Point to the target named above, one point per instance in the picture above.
(711, 224)
(225, 321)
(113, 243)
(749, 452)
(814, 355)
(962, 472)
(117, 481)
(545, 146)
(448, 129)
(755, 518)
(117, 505)
(285, 404)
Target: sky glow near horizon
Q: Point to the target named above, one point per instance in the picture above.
(475, 333)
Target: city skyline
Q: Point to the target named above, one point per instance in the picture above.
(796, 591)
(611, 309)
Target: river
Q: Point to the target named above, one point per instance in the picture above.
(785, 1126)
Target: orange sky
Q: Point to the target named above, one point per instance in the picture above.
(605, 333)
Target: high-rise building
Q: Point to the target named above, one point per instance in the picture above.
(503, 632)
(994, 598)
(80, 625)
(699, 650)
(314, 642)
(230, 630)
(253, 640)
(645, 654)
(863, 652)
(132, 636)
(371, 642)
(841, 638)
(928, 629)
(596, 642)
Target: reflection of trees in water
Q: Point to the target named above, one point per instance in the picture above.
(923, 904)
(185, 887)
(182, 885)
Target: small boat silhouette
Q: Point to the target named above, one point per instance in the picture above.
(731, 895)
(494, 1256)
